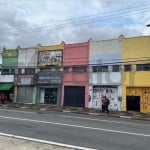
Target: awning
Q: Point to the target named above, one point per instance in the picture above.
(5, 86)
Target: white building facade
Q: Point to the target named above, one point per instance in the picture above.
(26, 75)
(105, 73)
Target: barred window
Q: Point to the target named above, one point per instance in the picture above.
(143, 67)
(127, 68)
(104, 68)
(116, 68)
(66, 69)
(96, 68)
(5, 71)
(79, 69)
(21, 71)
(27, 71)
(12, 71)
(100, 68)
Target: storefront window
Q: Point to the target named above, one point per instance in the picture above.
(50, 96)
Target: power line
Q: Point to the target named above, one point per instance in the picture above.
(82, 17)
(122, 62)
(89, 64)
(76, 22)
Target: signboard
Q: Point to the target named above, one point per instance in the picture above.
(6, 78)
(10, 53)
(48, 58)
(49, 77)
(25, 79)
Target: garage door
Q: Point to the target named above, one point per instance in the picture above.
(74, 96)
(25, 94)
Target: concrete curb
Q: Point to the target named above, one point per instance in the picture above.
(53, 109)
(110, 115)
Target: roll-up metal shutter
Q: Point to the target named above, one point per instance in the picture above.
(74, 96)
(25, 94)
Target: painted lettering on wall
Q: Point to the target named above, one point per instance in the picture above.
(53, 57)
(10, 53)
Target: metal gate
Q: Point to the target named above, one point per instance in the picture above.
(74, 96)
(25, 94)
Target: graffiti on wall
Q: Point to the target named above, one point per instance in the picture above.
(144, 93)
(145, 102)
(47, 58)
(111, 93)
(90, 96)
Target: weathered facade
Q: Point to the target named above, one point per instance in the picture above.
(49, 77)
(136, 73)
(25, 77)
(0, 63)
(75, 76)
(9, 65)
(105, 74)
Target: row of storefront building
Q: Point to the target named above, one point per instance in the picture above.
(79, 74)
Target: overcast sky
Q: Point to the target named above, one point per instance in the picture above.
(29, 22)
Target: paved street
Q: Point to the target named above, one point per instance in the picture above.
(97, 132)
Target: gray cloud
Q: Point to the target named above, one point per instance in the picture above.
(26, 14)
(99, 33)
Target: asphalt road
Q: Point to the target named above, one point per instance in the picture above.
(102, 133)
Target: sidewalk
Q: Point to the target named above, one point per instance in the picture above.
(128, 115)
(8, 143)
(42, 108)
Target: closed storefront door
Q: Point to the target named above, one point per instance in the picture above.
(133, 103)
(25, 94)
(74, 96)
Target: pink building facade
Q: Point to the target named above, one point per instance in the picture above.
(75, 89)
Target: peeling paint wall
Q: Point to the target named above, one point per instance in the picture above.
(107, 83)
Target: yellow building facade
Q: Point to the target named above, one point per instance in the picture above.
(136, 74)
(50, 55)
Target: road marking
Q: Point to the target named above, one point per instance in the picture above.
(126, 117)
(27, 112)
(103, 120)
(68, 111)
(77, 126)
(45, 142)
